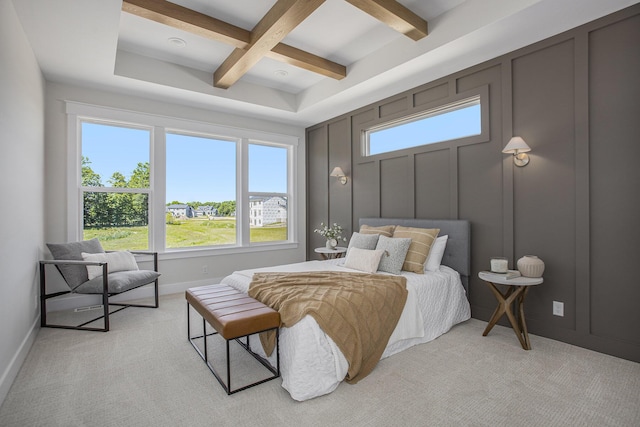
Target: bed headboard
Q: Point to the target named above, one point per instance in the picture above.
(457, 255)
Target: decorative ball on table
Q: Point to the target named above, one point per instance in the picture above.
(531, 266)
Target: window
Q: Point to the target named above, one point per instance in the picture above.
(115, 185)
(171, 185)
(201, 174)
(268, 192)
(453, 121)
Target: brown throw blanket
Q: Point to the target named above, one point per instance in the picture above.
(358, 311)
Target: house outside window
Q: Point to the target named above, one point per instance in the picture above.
(268, 198)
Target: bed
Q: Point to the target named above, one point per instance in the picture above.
(311, 363)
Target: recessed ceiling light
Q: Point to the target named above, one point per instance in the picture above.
(281, 73)
(176, 42)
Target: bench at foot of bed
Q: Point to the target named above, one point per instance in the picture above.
(233, 315)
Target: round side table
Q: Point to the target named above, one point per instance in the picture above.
(327, 253)
(517, 289)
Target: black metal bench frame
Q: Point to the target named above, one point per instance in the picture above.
(205, 356)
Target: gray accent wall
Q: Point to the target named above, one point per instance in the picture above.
(575, 99)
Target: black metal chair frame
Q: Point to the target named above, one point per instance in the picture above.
(205, 355)
(105, 293)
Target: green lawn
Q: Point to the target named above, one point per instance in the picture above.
(184, 233)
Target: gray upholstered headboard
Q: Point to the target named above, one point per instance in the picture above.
(457, 255)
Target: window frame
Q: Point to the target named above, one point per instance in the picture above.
(249, 194)
(117, 190)
(426, 110)
(159, 126)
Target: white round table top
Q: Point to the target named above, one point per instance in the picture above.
(501, 279)
(325, 250)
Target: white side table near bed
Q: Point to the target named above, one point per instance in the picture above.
(327, 253)
(516, 291)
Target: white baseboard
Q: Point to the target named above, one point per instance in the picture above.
(10, 374)
(71, 301)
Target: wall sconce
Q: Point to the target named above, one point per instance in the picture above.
(519, 149)
(337, 172)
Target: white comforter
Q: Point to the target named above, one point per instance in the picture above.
(310, 362)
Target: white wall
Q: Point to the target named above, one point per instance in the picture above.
(22, 192)
(176, 273)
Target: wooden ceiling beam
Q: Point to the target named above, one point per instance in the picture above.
(188, 20)
(279, 21)
(394, 15)
(308, 61)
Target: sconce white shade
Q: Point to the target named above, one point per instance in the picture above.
(518, 148)
(516, 145)
(337, 172)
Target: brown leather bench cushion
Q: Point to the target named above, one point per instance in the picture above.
(230, 312)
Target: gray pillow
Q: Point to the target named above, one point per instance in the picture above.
(395, 253)
(363, 241)
(74, 274)
(120, 281)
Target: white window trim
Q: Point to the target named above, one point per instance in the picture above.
(77, 112)
(484, 136)
(432, 112)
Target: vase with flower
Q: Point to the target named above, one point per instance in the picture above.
(333, 234)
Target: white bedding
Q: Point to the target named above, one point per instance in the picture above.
(310, 362)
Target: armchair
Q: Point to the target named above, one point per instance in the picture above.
(72, 260)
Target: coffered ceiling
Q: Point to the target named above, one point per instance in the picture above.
(298, 62)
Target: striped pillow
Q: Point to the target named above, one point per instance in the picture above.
(384, 230)
(421, 241)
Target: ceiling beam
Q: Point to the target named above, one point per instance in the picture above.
(279, 21)
(394, 15)
(308, 61)
(188, 20)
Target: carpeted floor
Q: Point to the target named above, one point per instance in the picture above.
(145, 373)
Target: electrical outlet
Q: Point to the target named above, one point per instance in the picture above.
(558, 308)
(205, 269)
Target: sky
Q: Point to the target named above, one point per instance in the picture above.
(450, 125)
(204, 169)
(198, 169)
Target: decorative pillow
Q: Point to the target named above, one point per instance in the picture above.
(363, 259)
(435, 254)
(117, 261)
(395, 252)
(74, 274)
(384, 230)
(362, 241)
(421, 241)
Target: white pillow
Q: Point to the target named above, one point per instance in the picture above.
(435, 254)
(117, 261)
(366, 260)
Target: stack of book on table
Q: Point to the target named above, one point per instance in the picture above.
(510, 274)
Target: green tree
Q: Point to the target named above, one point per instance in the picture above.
(227, 208)
(118, 180)
(89, 177)
(94, 203)
(140, 176)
